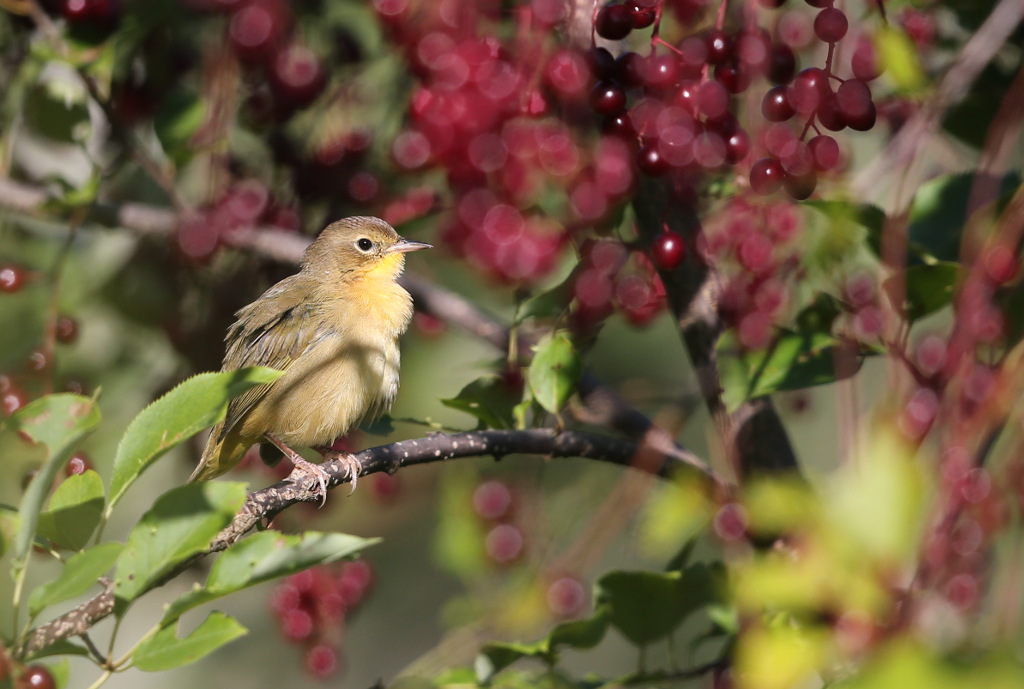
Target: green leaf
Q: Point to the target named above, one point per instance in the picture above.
(581, 634)
(195, 404)
(264, 556)
(871, 218)
(180, 524)
(554, 371)
(57, 110)
(939, 214)
(79, 575)
(74, 511)
(60, 422)
(647, 606)
(549, 304)
(177, 121)
(928, 287)
(898, 56)
(496, 656)
(489, 399)
(166, 651)
(794, 362)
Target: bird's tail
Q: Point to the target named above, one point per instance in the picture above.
(222, 451)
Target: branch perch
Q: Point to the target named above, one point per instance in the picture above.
(266, 503)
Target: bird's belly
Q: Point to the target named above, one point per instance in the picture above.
(329, 390)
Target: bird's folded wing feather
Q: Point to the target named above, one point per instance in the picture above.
(272, 331)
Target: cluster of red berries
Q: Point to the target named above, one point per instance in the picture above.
(485, 119)
(758, 241)
(312, 607)
(494, 502)
(609, 276)
(260, 32)
(246, 203)
(13, 396)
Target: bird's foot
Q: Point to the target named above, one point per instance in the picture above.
(304, 467)
(349, 461)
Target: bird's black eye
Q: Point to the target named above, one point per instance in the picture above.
(364, 244)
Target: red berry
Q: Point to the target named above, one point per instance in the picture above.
(781, 64)
(629, 69)
(734, 78)
(566, 597)
(297, 76)
(12, 277)
(829, 113)
(37, 361)
(730, 522)
(775, 106)
(607, 98)
(67, 329)
(322, 661)
(808, 90)
(297, 624)
(720, 46)
(737, 145)
(614, 22)
(661, 72)
(824, 152)
(37, 677)
(766, 176)
(643, 15)
(12, 399)
(504, 544)
(713, 100)
(651, 162)
(831, 25)
(864, 63)
(257, 28)
(601, 63)
(492, 500)
(668, 250)
(853, 98)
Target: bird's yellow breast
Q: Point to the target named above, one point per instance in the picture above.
(349, 371)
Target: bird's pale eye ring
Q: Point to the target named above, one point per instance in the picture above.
(364, 244)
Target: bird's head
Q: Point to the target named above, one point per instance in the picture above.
(358, 246)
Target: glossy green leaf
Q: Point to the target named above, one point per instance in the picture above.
(580, 634)
(647, 606)
(180, 524)
(495, 657)
(795, 361)
(195, 404)
(554, 372)
(79, 574)
(264, 556)
(74, 511)
(166, 650)
(927, 287)
(489, 399)
(60, 422)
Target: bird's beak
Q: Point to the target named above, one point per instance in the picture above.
(404, 245)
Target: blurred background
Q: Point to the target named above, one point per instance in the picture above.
(162, 159)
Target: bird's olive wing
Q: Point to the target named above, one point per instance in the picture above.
(272, 331)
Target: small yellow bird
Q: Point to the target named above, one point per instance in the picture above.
(333, 329)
